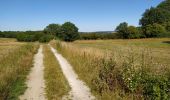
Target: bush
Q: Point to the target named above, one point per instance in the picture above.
(155, 87)
(97, 35)
(9, 34)
(25, 37)
(132, 32)
(32, 37)
(46, 38)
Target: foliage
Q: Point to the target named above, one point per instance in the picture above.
(25, 37)
(122, 30)
(155, 87)
(53, 29)
(106, 80)
(128, 32)
(165, 5)
(158, 15)
(97, 35)
(34, 36)
(167, 26)
(154, 15)
(46, 38)
(154, 30)
(132, 32)
(69, 32)
(9, 34)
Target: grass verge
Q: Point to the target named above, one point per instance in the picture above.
(13, 71)
(56, 84)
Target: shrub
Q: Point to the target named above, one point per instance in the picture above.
(97, 35)
(132, 32)
(46, 38)
(105, 81)
(155, 87)
(25, 37)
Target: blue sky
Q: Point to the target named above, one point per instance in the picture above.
(88, 15)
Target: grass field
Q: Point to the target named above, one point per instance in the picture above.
(158, 48)
(121, 69)
(8, 45)
(15, 61)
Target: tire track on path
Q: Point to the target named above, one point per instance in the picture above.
(35, 82)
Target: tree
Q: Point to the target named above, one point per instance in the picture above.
(69, 32)
(165, 5)
(154, 15)
(53, 29)
(122, 30)
(167, 26)
(154, 30)
(133, 32)
(159, 14)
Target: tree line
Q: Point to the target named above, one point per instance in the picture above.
(155, 22)
(67, 32)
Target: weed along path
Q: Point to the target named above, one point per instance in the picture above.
(79, 91)
(35, 83)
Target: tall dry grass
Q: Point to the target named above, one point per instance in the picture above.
(13, 70)
(117, 74)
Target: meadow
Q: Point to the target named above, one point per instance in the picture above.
(121, 69)
(113, 69)
(15, 63)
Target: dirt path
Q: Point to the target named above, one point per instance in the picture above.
(79, 91)
(35, 81)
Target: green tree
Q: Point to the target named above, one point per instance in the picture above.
(167, 26)
(154, 30)
(69, 32)
(154, 15)
(122, 30)
(159, 14)
(53, 29)
(133, 32)
(165, 5)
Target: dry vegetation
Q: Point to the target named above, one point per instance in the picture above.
(15, 62)
(7, 46)
(56, 84)
(121, 69)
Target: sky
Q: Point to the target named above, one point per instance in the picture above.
(87, 15)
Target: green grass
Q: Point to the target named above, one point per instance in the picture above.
(14, 66)
(56, 84)
(134, 67)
